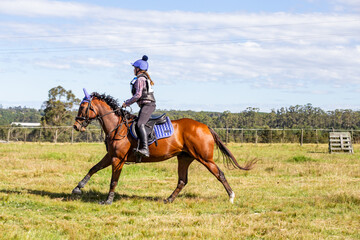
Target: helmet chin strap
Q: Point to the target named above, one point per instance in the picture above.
(137, 70)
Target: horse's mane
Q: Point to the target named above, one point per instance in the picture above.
(113, 103)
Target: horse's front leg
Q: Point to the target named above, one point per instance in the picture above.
(117, 165)
(105, 162)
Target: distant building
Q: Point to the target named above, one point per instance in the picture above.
(24, 124)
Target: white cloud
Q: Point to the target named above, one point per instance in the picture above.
(91, 62)
(46, 8)
(272, 50)
(353, 5)
(53, 65)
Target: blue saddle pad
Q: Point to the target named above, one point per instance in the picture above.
(163, 130)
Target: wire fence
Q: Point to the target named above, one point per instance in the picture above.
(273, 135)
(66, 134)
(63, 134)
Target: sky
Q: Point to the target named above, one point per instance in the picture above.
(203, 55)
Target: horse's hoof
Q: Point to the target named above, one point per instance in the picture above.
(167, 200)
(105, 203)
(77, 191)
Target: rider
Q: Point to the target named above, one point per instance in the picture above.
(143, 95)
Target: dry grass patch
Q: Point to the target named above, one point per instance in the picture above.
(293, 193)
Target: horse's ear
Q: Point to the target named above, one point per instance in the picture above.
(87, 95)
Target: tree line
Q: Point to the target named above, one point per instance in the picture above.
(61, 108)
(293, 117)
(19, 114)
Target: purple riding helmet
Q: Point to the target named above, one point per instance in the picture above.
(142, 63)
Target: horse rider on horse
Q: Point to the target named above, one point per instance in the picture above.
(143, 95)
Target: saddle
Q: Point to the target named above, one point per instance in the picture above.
(156, 128)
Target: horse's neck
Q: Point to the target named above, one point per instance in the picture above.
(110, 120)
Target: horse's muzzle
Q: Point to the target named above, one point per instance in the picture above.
(78, 127)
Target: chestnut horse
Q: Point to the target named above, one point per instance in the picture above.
(191, 140)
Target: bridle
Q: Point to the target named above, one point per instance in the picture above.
(86, 120)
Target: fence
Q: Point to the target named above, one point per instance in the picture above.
(301, 136)
(50, 134)
(239, 135)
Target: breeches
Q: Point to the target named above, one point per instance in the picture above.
(145, 113)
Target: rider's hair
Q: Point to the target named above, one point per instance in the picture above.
(147, 75)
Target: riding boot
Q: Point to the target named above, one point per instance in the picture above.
(143, 146)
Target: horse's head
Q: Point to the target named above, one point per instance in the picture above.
(85, 114)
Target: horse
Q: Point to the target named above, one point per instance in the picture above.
(190, 141)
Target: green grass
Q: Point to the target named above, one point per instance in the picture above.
(293, 193)
(301, 159)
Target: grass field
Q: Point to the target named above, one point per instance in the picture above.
(293, 193)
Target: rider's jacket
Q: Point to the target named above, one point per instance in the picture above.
(141, 90)
(147, 93)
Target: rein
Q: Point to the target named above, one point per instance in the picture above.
(86, 120)
(123, 121)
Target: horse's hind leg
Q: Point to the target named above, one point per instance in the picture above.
(184, 162)
(105, 162)
(215, 170)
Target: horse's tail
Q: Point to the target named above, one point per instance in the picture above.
(228, 157)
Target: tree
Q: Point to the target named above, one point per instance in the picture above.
(19, 114)
(57, 109)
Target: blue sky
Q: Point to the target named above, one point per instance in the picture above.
(203, 55)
